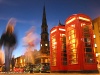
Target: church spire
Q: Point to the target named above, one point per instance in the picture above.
(44, 21)
(44, 43)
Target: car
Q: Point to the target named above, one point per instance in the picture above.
(36, 69)
(42, 68)
(28, 68)
(45, 68)
(18, 69)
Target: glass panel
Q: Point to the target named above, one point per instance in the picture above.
(54, 47)
(85, 29)
(72, 32)
(74, 61)
(72, 41)
(73, 50)
(89, 55)
(53, 61)
(87, 41)
(88, 49)
(72, 46)
(64, 55)
(73, 54)
(89, 58)
(86, 35)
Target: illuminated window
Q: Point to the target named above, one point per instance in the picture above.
(73, 59)
(20, 60)
(54, 51)
(95, 45)
(83, 18)
(46, 44)
(24, 60)
(94, 36)
(63, 53)
(89, 56)
(41, 45)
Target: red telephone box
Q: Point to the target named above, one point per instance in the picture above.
(79, 43)
(58, 57)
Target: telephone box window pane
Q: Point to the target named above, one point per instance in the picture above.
(89, 55)
(85, 29)
(87, 45)
(72, 32)
(64, 63)
(87, 42)
(54, 62)
(73, 58)
(86, 32)
(86, 35)
(88, 49)
(73, 51)
(54, 51)
(74, 61)
(64, 55)
(72, 41)
(89, 58)
(72, 46)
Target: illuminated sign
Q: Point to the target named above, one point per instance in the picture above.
(71, 20)
(53, 31)
(82, 18)
(61, 29)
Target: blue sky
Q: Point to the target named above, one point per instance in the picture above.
(28, 13)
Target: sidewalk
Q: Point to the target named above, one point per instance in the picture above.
(48, 74)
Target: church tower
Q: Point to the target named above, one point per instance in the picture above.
(44, 43)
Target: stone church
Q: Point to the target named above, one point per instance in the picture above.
(44, 54)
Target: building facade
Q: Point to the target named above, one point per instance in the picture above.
(20, 61)
(44, 43)
(96, 29)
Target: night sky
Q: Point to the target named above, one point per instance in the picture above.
(28, 13)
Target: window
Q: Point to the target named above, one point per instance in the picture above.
(63, 53)
(89, 57)
(46, 44)
(53, 53)
(73, 59)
